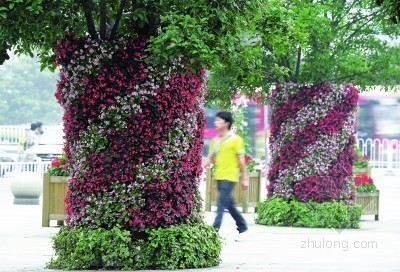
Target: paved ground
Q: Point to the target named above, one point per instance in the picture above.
(26, 246)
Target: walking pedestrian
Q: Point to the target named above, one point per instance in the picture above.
(228, 156)
(31, 138)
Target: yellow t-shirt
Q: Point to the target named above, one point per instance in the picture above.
(226, 157)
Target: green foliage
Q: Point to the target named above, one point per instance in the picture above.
(339, 38)
(391, 8)
(360, 161)
(58, 166)
(89, 249)
(366, 188)
(283, 212)
(333, 41)
(180, 247)
(207, 32)
(177, 247)
(364, 184)
(275, 211)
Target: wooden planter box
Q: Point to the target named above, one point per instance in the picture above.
(244, 199)
(54, 193)
(369, 203)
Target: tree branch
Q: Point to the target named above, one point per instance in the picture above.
(153, 21)
(117, 19)
(89, 18)
(338, 79)
(285, 63)
(345, 12)
(103, 19)
(296, 76)
(373, 16)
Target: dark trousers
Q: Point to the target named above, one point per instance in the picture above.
(225, 201)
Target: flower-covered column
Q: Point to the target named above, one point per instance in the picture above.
(312, 137)
(133, 135)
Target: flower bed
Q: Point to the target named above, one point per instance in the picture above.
(364, 184)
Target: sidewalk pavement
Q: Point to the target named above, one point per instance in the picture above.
(26, 246)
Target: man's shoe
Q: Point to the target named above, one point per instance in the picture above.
(241, 237)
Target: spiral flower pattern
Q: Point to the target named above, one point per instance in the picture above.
(312, 137)
(133, 135)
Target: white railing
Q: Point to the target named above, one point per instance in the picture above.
(382, 153)
(9, 169)
(12, 134)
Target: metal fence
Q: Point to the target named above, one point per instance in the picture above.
(382, 153)
(9, 169)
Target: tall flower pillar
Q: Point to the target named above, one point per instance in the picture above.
(311, 143)
(133, 137)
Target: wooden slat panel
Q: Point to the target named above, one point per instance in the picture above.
(251, 196)
(369, 203)
(54, 193)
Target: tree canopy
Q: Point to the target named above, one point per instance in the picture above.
(335, 41)
(391, 8)
(209, 33)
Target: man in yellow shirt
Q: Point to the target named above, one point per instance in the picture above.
(228, 156)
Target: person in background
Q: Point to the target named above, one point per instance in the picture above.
(31, 138)
(228, 156)
(39, 128)
(39, 131)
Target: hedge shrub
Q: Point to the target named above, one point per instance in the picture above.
(175, 247)
(286, 212)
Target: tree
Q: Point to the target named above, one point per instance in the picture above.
(342, 43)
(132, 86)
(27, 94)
(335, 41)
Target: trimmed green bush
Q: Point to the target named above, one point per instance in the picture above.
(180, 246)
(84, 248)
(286, 212)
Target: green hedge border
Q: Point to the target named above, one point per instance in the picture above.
(176, 247)
(287, 212)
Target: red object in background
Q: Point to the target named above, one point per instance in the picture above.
(210, 133)
(362, 180)
(248, 159)
(56, 162)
